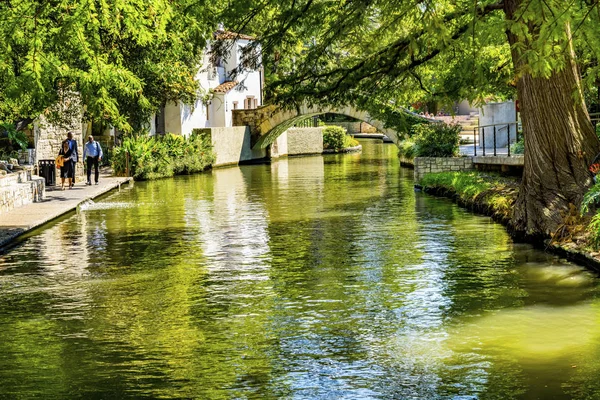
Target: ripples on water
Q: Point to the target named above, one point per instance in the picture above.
(317, 277)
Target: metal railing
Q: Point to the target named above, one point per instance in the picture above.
(495, 129)
(310, 122)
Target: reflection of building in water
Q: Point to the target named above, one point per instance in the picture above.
(297, 188)
(232, 226)
(64, 247)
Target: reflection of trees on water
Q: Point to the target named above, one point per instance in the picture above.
(317, 276)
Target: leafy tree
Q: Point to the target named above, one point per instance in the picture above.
(123, 58)
(400, 51)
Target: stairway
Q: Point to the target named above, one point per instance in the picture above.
(468, 125)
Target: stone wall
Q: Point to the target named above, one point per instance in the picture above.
(355, 127)
(48, 138)
(424, 165)
(304, 141)
(232, 145)
(18, 189)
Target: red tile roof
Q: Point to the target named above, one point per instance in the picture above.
(225, 87)
(225, 35)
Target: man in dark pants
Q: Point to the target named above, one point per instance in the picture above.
(75, 150)
(92, 154)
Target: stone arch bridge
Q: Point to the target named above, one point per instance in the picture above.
(268, 122)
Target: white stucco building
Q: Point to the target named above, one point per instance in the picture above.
(226, 92)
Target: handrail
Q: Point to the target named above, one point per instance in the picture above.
(481, 129)
(500, 123)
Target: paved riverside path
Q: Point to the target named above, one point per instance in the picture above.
(57, 202)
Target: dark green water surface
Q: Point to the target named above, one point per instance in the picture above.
(310, 278)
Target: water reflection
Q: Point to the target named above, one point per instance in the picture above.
(318, 277)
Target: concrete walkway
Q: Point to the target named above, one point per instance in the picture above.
(468, 150)
(57, 202)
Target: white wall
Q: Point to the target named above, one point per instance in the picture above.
(497, 113)
(193, 117)
(233, 145)
(183, 118)
(279, 148)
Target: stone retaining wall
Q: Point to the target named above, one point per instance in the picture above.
(304, 141)
(20, 188)
(354, 127)
(232, 145)
(424, 165)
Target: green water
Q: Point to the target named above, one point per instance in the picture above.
(310, 278)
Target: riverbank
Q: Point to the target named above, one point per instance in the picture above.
(56, 203)
(495, 196)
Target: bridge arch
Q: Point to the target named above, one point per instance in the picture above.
(268, 122)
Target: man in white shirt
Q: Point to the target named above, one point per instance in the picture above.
(92, 154)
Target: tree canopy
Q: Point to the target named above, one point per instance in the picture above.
(400, 51)
(123, 57)
(414, 50)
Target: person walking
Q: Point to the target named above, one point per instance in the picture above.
(92, 154)
(66, 169)
(75, 154)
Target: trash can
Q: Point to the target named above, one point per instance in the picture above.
(48, 171)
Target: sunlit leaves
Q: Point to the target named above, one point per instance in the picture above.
(124, 57)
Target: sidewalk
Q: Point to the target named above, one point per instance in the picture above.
(57, 202)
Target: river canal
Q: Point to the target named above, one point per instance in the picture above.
(310, 278)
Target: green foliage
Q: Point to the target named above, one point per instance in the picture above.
(469, 186)
(333, 137)
(154, 157)
(123, 58)
(590, 199)
(436, 140)
(349, 141)
(407, 149)
(594, 230)
(518, 147)
(11, 140)
(466, 184)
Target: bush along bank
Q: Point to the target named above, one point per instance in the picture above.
(336, 140)
(430, 140)
(152, 157)
(578, 240)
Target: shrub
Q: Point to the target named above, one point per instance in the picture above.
(518, 147)
(407, 149)
(333, 137)
(590, 201)
(11, 141)
(153, 157)
(349, 141)
(436, 140)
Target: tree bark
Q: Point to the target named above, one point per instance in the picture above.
(560, 143)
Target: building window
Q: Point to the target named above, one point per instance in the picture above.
(235, 105)
(249, 102)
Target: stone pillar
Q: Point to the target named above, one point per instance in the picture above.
(48, 138)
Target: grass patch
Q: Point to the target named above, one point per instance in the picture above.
(483, 191)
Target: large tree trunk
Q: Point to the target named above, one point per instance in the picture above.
(560, 144)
